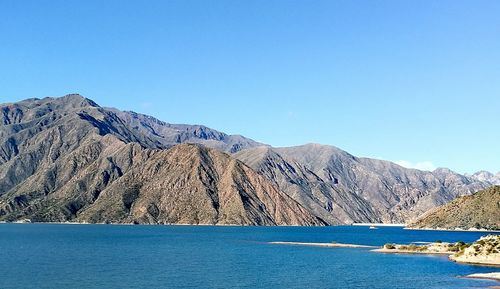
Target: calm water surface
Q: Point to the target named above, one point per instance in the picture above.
(111, 256)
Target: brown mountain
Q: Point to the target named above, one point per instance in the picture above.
(478, 211)
(193, 184)
(343, 188)
(320, 195)
(67, 159)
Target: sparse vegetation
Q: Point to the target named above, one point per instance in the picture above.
(436, 247)
(485, 250)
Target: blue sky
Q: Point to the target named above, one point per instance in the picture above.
(413, 81)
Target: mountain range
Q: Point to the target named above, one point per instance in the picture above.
(68, 159)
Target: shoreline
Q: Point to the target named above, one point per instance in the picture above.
(330, 245)
(453, 230)
(376, 225)
(239, 225)
(167, 224)
(398, 251)
(475, 262)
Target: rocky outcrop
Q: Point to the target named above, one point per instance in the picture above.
(478, 211)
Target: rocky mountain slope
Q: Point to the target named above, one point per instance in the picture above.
(70, 159)
(321, 195)
(330, 181)
(67, 159)
(478, 211)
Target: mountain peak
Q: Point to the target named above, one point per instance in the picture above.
(315, 147)
(483, 173)
(77, 99)
(443, 171)
(192, 149)
(485, 176)
(73, 100)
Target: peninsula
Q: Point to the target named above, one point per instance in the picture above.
(485, 251)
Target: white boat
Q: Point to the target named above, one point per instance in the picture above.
(373, 228)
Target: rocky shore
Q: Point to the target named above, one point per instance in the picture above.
(485, 251)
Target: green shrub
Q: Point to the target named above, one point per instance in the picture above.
(389, 246)
(463, 246)
(412, 247)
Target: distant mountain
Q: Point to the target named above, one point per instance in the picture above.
(488, 177)
(331, 182)
(168, 134)
(68, 159)
(480, 211)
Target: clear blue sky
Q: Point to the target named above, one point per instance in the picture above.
(399, 80)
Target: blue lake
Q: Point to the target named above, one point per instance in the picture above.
(113, 256)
